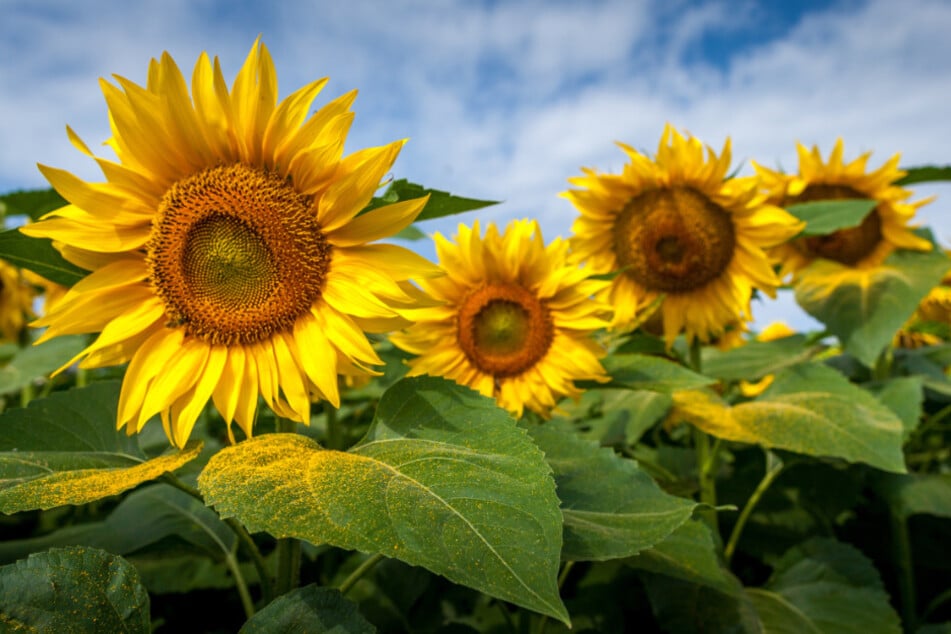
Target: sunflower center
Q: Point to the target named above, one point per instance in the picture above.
(504, 329)
(236, 254)
(846, 246)
(673, 240)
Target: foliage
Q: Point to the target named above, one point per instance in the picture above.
(419, 505)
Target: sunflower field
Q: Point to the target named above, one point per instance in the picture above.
(234, 398)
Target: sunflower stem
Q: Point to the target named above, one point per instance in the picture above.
(241, 584)
(244, 538)
(288, 548)
(773, 468)
(357, 574)
(334, 435)
(901, 546)
(706, 454)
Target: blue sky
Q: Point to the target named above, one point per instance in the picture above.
(507, 99)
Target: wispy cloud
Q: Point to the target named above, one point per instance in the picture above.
(507, 100)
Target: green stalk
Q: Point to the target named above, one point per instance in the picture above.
(773, 468)
(906, 580)
(706, 454)
(361, 570)
(334, 436)
(244, 538)
(242, 585)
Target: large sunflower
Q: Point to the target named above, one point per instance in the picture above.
(227, 256)
(678, 226)
(865, 246)
(516, 319)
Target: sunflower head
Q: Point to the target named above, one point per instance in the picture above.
(515, 322)
(228, 255)
(16, 302)
(676, 225)
(884, 229)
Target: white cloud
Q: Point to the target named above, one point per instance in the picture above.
(507, 100)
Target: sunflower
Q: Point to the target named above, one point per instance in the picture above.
(864, 246)
(515, 322)
(228, 255)
(677, 226)
(930, 325)
(16, 302)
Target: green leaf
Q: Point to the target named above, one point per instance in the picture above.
(642, 372)
(158, 511)
(683, 607)
(689, 554)
(444, 479)
(925, 174)
(309, 609)
(30, 202)
(440, 203)
(823, 217)
(865, 308)
(809, 408)
(755, 359)
(825, 587)
(612, 509)
(73, 590)
(31, 480)
(39, 256)
(915, 494)
(34, 362)
(65, 449)
(904, 396)
(81, 419)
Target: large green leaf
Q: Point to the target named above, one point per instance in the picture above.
(444, 479)
(809, 408)
(689, 554)
(823, 217)
(825, 587)
(755, 359)
(309, 609)
(643, 372)
(680, 606)
(440, 203)
(611, 508)
(34, 362)
(30, 202)
(73, 590)
(904, 396)
(65, 449)
(864, 308)
(39, 256)
(914, 494)
(81, 419)
(142, 518)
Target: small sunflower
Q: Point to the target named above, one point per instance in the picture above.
(16, 302)
(677, 226)
(865, 246)
(930, 325)
(227, 256)
(516, 319)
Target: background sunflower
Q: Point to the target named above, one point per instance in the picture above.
(516, 318)
(866, 245)
(677, 226)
